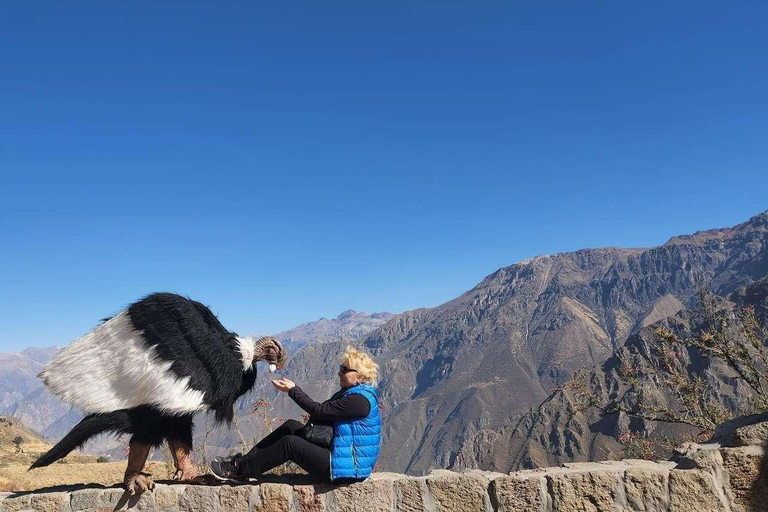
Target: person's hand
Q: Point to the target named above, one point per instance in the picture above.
(283, 384)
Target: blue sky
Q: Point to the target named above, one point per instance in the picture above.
(285, 161)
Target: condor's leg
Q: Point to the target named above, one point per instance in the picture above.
(182, 458)
(180, 443)
(135, 480)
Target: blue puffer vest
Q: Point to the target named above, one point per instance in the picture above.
(355, 444)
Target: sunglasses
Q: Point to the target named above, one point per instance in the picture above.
(343, 369)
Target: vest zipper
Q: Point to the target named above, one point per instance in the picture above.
(354, 456)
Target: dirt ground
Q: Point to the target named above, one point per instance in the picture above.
(15, 477)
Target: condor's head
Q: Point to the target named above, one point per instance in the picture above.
(270, 350)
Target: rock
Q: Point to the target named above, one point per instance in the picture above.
(459, 493)
(110, 498)
(411, 495)
(84, 499)
(236, 498)
(693, 491)
(15, 503)
(726, 433)
(587, 491)
(518, 493)
(199, 498)
(747, 476)
(646, 489)
(369, 496)
(167, 497)
(274, 498)
(310, 498)
(48, 502)
(706, 457)
(752, 435)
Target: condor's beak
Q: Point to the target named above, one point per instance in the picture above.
(270, 350)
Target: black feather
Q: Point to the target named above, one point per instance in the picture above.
(188, 335)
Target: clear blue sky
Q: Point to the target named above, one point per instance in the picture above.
(283, 161)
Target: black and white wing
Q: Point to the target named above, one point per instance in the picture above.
(165, 350)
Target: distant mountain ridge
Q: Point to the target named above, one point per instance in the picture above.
(348, 326)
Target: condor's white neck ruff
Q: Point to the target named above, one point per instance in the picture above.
(247, 350)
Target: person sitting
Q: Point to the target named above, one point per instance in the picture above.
(352, 414)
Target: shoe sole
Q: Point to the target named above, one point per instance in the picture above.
(224, 479)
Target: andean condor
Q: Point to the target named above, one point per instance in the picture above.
(146, 371)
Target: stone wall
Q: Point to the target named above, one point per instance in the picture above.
(720, 476)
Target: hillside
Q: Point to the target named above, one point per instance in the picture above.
(479, 363)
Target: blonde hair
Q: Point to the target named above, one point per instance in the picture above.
(362, 363)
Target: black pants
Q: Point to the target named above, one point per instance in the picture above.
(282, 446)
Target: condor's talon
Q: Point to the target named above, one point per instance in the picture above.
(137, 483)
(188, 473)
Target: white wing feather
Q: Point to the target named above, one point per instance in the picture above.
(112, 368)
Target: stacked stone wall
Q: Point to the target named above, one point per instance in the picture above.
(720, 476)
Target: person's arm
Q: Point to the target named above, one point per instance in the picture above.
(345, 408)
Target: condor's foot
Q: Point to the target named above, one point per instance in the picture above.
(137, 483)
(135, 480)
(182, 459)
(186, 473)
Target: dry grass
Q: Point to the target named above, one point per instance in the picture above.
(15, 477)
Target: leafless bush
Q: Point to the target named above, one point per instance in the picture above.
(735, 339)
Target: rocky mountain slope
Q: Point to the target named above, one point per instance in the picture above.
(562, 430)
(479, 363)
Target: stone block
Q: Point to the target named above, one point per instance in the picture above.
(369, 496)
(586, 491)
(746, 469)
(459, 493)
(516, 493)
(646, 489)
(200, 498)
(84, 499)
(692, 490)
(49, 501)
(310, 498)
(110, 498)
(274, 498)
(166, 498)
(707, 458)
(752, 435)
(237, 498)
(411, 495)
(15, 503)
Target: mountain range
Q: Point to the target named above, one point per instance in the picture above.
(468, 383)
(488, 359)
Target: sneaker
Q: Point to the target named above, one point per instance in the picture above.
(229, 469)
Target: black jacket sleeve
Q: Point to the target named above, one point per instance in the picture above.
(345, 408)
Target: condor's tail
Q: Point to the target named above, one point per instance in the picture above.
(93, 424)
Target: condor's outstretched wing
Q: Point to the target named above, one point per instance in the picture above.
(165, 350)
